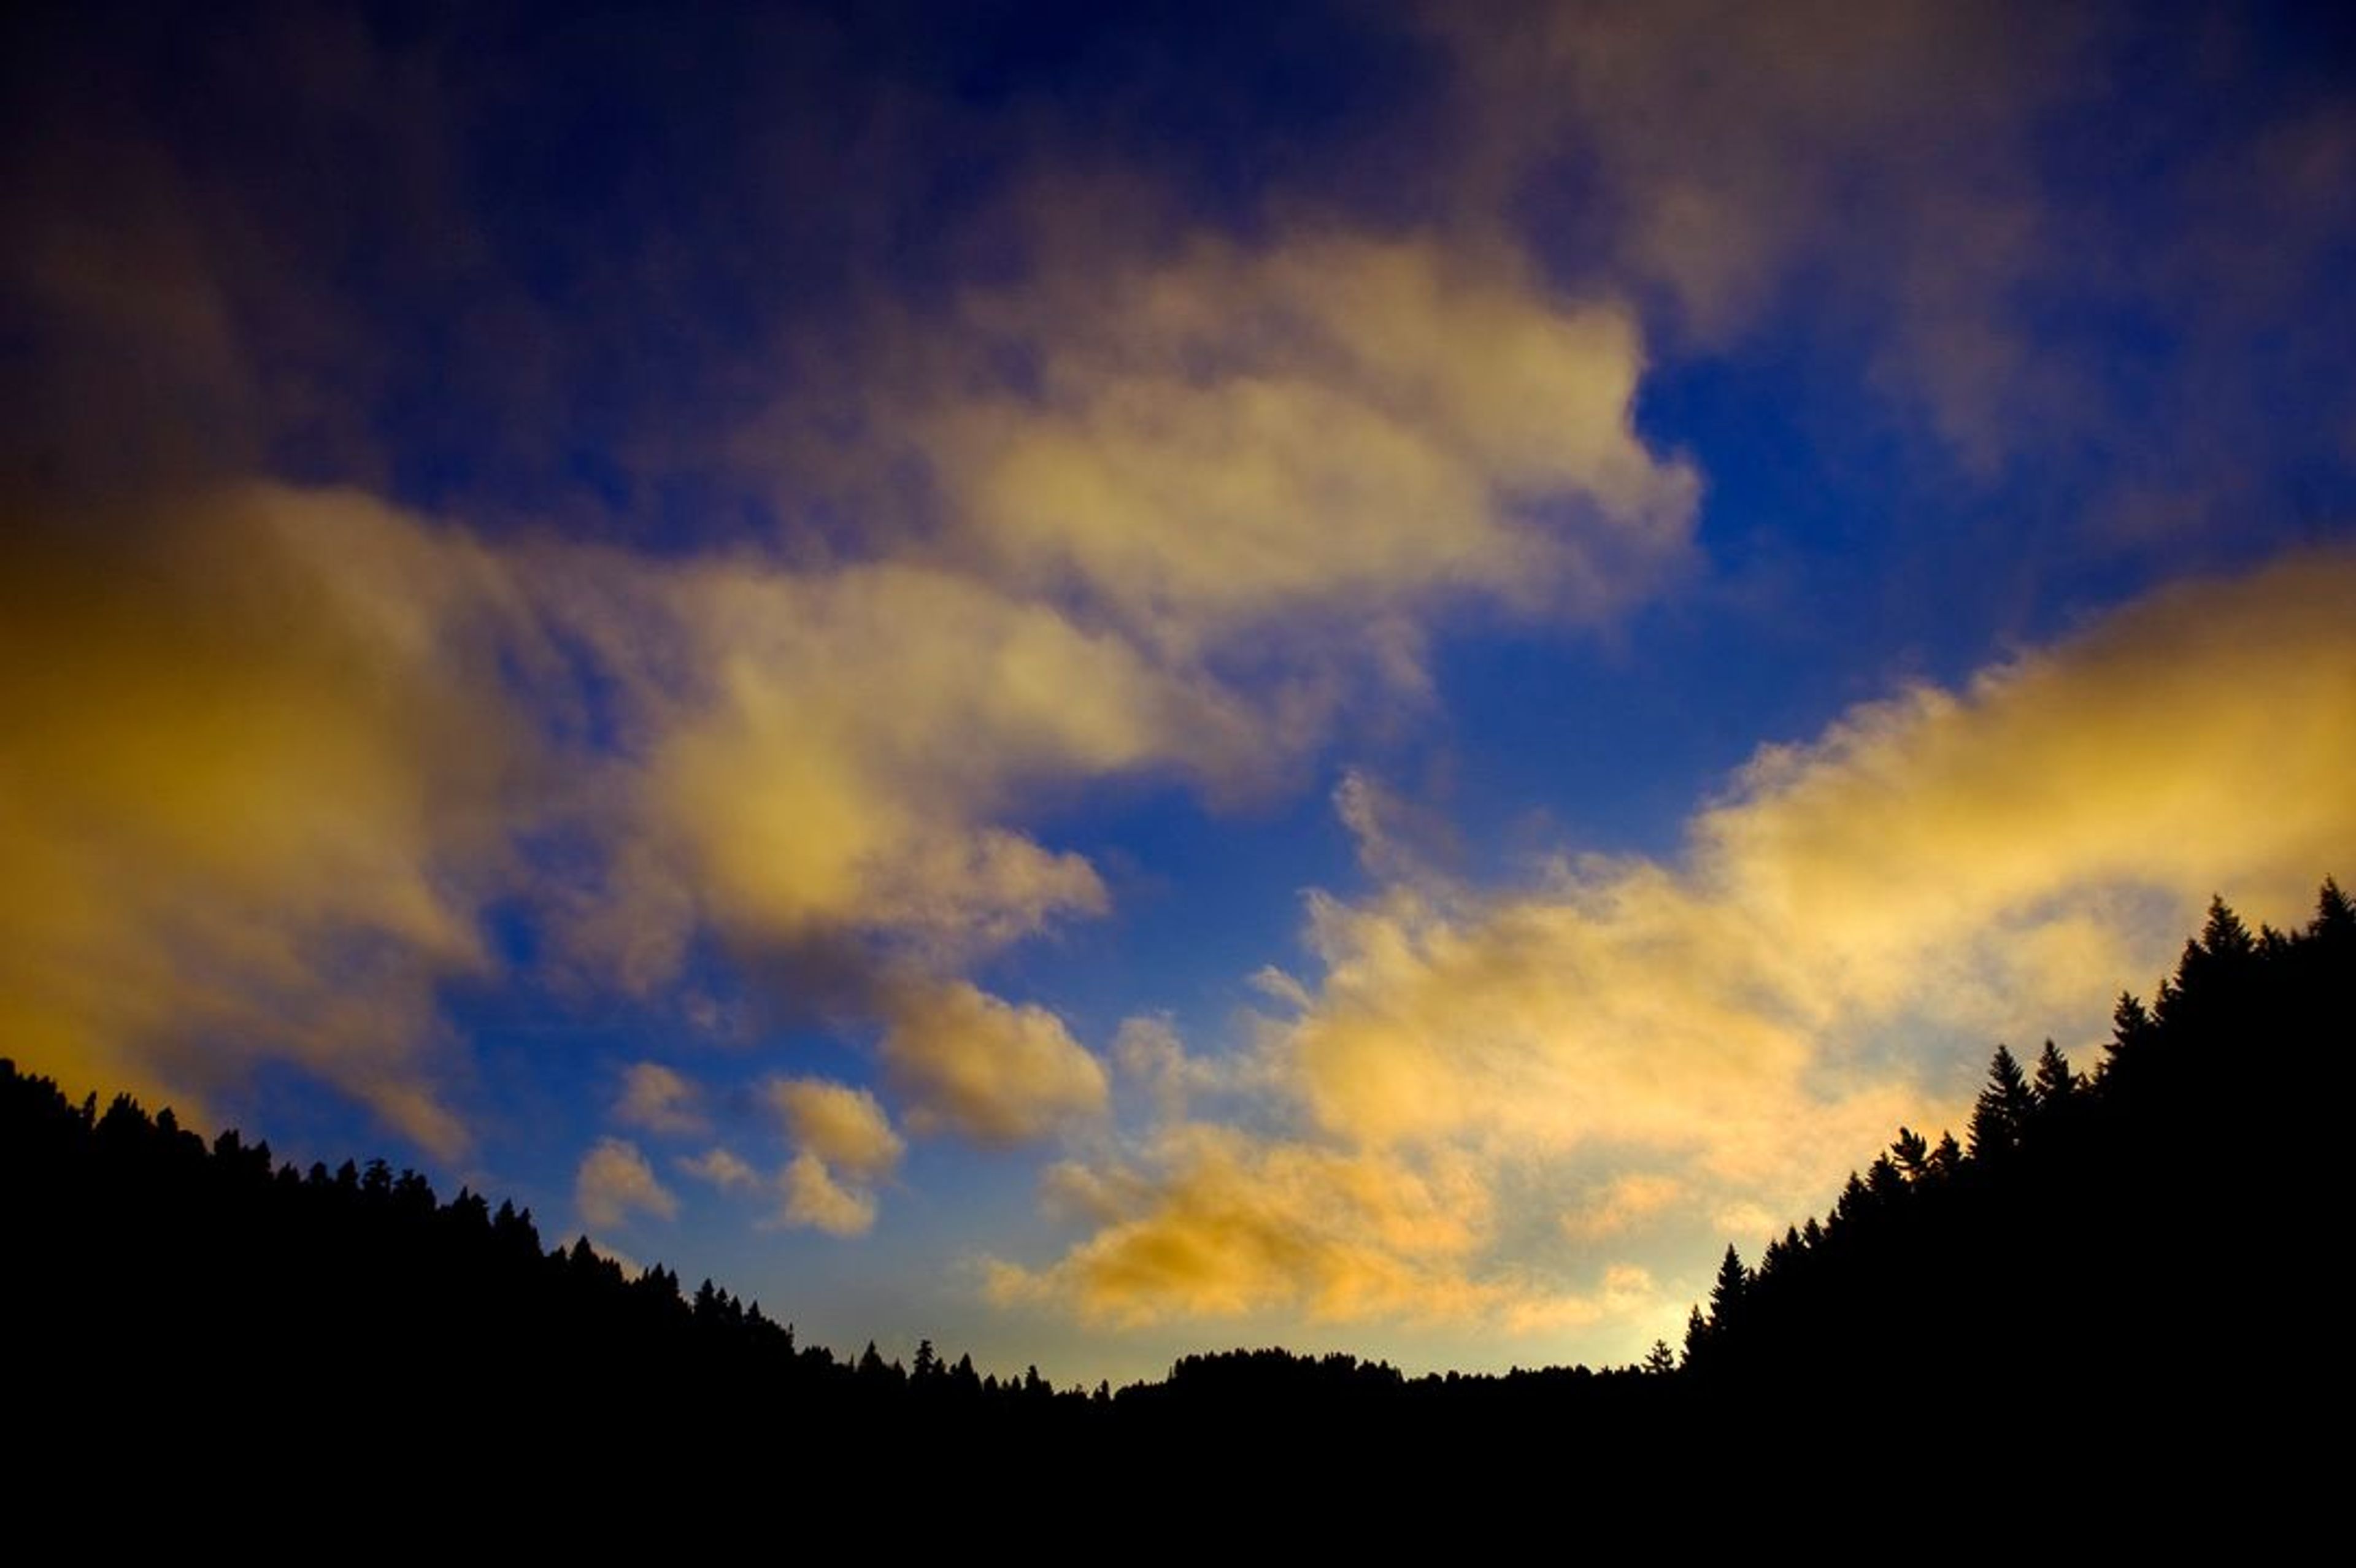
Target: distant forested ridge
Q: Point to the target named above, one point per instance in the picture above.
(2114, 1266)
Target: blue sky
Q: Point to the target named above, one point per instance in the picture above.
(1096, 680)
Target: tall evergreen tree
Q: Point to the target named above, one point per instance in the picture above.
(2054, 1082)
(2003, 1107)
(2335, 921)
(1733, 1283)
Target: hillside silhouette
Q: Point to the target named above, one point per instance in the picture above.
(2115, 1270)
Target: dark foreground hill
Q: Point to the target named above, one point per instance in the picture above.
(2115, 1286)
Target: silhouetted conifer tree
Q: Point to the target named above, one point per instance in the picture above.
(2054, 1082)
(2002, 1108)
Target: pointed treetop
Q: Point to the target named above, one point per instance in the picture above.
(1733, 1282)
(2129, 1023)
(2333, 916)
(2055, 1082)
(2003, 1106)
(2224, 936)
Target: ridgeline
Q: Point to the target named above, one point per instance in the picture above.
(2114, 1275)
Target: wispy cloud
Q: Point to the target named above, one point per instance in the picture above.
(661, 1100)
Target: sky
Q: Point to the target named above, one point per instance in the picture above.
(1096, 681)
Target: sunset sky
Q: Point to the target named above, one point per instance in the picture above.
(1096, 681)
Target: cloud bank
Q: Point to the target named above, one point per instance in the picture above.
(1625, 1045)
(312, 736)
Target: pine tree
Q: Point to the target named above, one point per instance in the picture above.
(2224, 937)
(2003, 1107)
(2055, 1082)
(2130, 1025)
(1726, 1297)
(2335, 921)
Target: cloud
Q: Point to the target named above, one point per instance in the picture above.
(616, 1181)
(1125, 565)
(660, 1100)
(814, 1198)
(1721, 154)
(1198, 432)
(847, 1144)
(1228, 1224)
(844, 1126)
(995, 1072)
(2004, 855)
(262, 771)
(1620, 1205)
(1624, 1042)
(811, 757)
(1116, 557)
(721, 1167)
(2091, 797)
(308, 735)
(1148, 1050)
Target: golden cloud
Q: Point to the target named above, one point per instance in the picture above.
(1204, 431)
(1229, 1224)
(997, 1072)
(842, 1132)
(1964, 857)
(261, 764)
(273, 752)
(723, 1168)
(1620, 1205)
(815, 756)
(616, 1181)
(661, 1100)
(844, 1126)
(1934, 867)
(813, 1198)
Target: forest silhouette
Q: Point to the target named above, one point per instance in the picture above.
(2108, 1282)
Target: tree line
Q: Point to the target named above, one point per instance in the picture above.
(2102, 1253)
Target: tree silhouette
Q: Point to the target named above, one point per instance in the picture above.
(2003, 1107)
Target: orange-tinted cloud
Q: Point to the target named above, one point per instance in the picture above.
(1726, 1035)
(812, 757)
(844, 1126)
(996, 1072)
(1226, 1224)
(614, 1182)
(661, 1100)
(261, 764)
(1203, 428)
(846, 1147)
(815, 1198)
(722, 1168)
